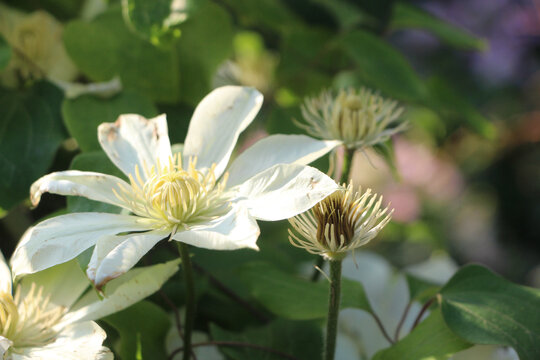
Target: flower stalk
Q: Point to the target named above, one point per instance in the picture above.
(334, 299)
(346, 165)
(190, 298)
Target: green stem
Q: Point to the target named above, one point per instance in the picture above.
(333, 309)
(190, 298)
(346, 167)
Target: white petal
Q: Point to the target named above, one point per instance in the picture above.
(92, 185)
(122, 292)
(5, 344)
(124, 256)
(216, 123)
(236, 230)
(5, 275)
(104, 246)
(134, 140)
(82, 341)
(63, 283)
(277, 149)
(59, 239)
(284, 191)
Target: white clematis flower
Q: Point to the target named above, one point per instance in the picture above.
(48, 315)
(189, 197)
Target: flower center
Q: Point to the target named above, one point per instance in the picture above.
(28, 319)
(175, 196)
(336, 219)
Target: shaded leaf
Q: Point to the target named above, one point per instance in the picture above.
(452, 104)
(406, 16)
(142, 329)
(93, 161)
(84, 114)
(300, 339)
(201, 48)
(31, 131)
(294, 298)
(383, 67)
(5, 53)
(484, 308)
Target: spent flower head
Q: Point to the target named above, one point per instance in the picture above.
(343, 221)
(357, 118)
(193, 197)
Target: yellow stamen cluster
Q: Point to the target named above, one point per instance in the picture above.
(172, 196)
(358, 118)
(28, 319)
(343, 221)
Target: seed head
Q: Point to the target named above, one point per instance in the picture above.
(359, 118)
(343, 221)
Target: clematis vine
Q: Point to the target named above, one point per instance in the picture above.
(49, 315)
(188, 197)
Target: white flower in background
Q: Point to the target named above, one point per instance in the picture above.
(341, 222)
(356, 118)
(38, 48)
(49, 315)
(189, 198)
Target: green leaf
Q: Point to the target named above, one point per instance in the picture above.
(484, 308)
(453, 105)
(5, 53)
(201, 48)
(300, 339)
(273, 15)
(156, 19)
(347, 14)
(92, 161)
(383, 67)
(406, 16)
(84, 114)
(431, 339)
(294, 298)
(420, 289)
(31, 131)
(307, 58)
(142, 327)
(105, 47)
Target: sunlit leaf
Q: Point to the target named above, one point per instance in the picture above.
(430, 340)
(156, 19)
(484, 308)
(105, 47)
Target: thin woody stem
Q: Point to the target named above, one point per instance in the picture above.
(422, 311)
